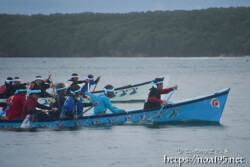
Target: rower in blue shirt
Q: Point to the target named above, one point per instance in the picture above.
(73, 107)
(89, 81)
(104, 101)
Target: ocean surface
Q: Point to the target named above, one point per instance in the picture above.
(136, 145)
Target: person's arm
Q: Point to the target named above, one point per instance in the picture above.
(112, 108)
(43, 107)
(90, 95)
(34, 111)
(80, 82)
(92, 82)
(46, 80)
(167, 90)
(87, 104)
(154, 99)
(46, 85)
(84, 88)
(97, 80)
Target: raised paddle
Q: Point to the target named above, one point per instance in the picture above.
(53, 88)
(95, 85)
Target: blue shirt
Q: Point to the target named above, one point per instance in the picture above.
(85, 87)
(71, 108)
(104, 104)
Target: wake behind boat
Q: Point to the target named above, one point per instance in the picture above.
(207, 108)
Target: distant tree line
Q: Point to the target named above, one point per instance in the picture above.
(210, 32)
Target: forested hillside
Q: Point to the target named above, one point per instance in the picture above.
(210, 32)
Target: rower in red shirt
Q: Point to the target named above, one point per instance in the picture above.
(32, 103)
(18, 100)
(154, 98)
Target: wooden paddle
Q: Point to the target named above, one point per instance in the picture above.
(53, 87)
(96, 85)
(168, 98)
(87, 110)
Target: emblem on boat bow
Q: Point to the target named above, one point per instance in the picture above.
(215, 102)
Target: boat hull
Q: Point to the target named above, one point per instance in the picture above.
(207, 108)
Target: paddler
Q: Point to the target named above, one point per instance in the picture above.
(31, 105)
(73, 108)
(89, 82)
(18, 100)
(59, 100)
(5, 87)
(42, 85)
(15, 84)
(74, 80)
(154, 98)
(104, 101)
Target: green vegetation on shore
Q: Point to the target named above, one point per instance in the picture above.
(210, 32)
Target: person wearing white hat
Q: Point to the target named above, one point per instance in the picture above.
(3, 89)
(16, 82)
(74, 80)
(43, 85)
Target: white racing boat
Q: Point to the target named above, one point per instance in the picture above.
(129, 93)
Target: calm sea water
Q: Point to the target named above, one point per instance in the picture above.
(135, 145)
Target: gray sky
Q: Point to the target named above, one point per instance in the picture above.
(110, 6)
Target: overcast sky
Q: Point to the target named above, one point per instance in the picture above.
(29, 7)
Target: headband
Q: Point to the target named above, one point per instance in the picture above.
(61, 89)
(108, 90)
(74, 92)
(17, 80)
(20, 90)
(155, 84)
(34, 91)
(90, 79)
(38, 78)
(8, 81)
(72, 76)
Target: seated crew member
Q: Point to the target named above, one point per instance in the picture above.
(89, 81)
(3, 90)
(18, 100)
(31, 104)
(15, 83)
(41, 84)
(154, 97)
(59, 100)
(104, 101)
(73, 107)
(73, 81)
